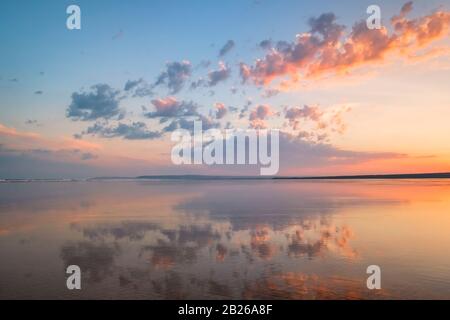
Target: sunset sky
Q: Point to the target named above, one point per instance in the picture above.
(104, 100)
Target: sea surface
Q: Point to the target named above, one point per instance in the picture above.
(289, 239)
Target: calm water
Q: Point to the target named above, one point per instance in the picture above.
(225, 239)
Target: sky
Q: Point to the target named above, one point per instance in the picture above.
(103, 100)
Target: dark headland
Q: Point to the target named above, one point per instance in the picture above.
(438, 175)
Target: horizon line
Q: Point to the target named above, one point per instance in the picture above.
(429, 175)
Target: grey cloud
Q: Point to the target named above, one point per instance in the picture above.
(226, 48)
(143, 91)
(326, 26)
(175, 75)
(266, 44)
(140, 88)
(188, 124)
(180, 124)
(130, 84)
(102, 102)
(134, 131)
(245, 109)
(407, 8)
(219, 75)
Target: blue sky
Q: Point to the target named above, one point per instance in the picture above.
(149, 33)
(43, 63)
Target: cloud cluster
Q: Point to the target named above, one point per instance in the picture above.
(188, 123)
(294, 114)
(173, 113)
(180, 113)
(327, 49)
(102, 102)
(175, 75)
(134, 131)
(413, 33)
(213, 78)
(259, 115)
(323, 122)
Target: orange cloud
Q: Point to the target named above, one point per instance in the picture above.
(326, 50)
(12, 132)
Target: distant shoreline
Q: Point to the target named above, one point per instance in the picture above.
(437, 175)
(441, 175)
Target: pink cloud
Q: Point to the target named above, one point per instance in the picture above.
(258, 116)
(326, 49)
(221, 110)
(12, 132)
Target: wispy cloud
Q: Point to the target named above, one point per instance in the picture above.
(227, 47)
